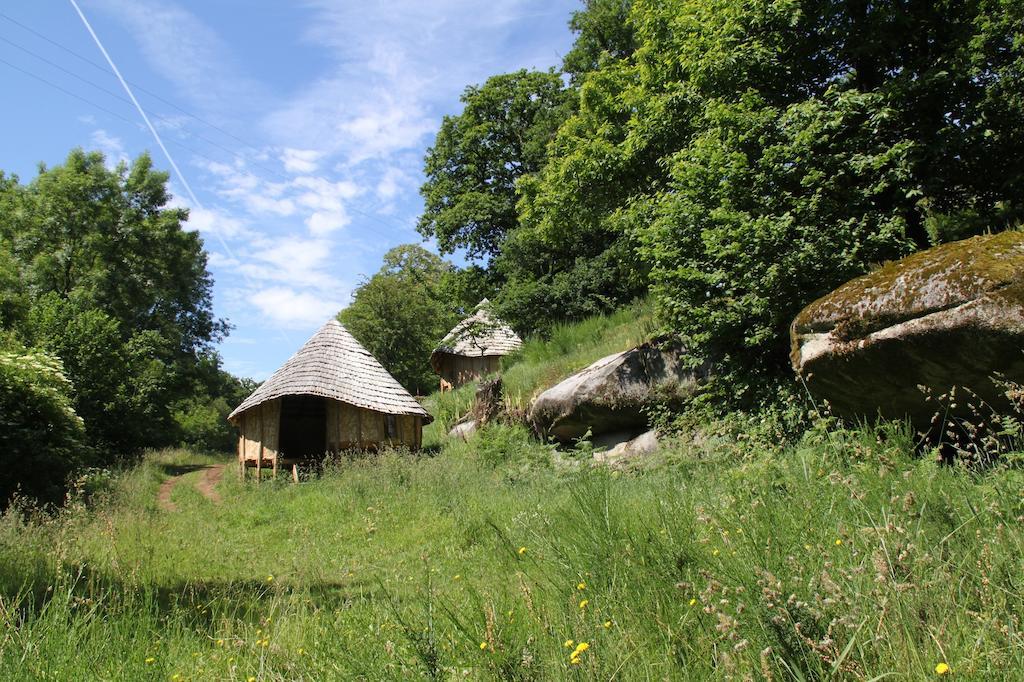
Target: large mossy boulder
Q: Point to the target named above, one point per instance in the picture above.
(950, 316)
(611, 394)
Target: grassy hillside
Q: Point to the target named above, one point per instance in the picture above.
(842, 555)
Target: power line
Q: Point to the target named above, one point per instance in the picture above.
(102, 68)
(102, 108)
(125, 83)
(172, 141)
(127, 101)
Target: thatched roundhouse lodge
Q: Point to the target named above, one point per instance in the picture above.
(473, 348)
(332, 395)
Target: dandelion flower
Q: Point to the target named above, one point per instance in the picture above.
(581, 586)
(220, 642)
(483, 645)
(839, 541)
(270, 578)
(714, 553)
(942, 668)
(807, 547)
(301, 651)
(693, 602)
(568, 643)
(150, 661)
(251, 678)
(607, 624)
(575, 660)
(581, 647)
(522, 550)
(583, 604)
(457, 576)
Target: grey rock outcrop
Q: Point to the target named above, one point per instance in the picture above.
(610, 394)
(633, 448)
(950, 316)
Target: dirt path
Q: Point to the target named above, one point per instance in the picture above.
(206, 485)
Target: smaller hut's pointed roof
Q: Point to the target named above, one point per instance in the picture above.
(478, 335)
(332, 364)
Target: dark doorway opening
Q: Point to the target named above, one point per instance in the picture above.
(303, 427)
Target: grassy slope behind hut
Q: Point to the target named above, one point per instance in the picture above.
(839, 555)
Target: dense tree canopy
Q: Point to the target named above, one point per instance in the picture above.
(97, 271)
(479, 155)
(745, 158)
(402, 312)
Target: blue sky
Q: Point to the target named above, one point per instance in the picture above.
(300, 126)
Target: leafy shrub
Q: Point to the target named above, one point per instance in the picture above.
(40, 433)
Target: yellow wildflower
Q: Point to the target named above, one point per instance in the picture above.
(581, 586)
(301, 651)
(714, 553)
(607, 624)
(458, 576)
(251, 678)
(220, 642)
(693, 602)
(575, 660)
(807, 546)
(942, 668)
(568, 643)
(838, 542)
(150, 660)
(581, 647)
(583, 604)
(522, 550)
(270, 578)
(483, 645)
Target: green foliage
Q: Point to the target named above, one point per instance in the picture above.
(403, 311)
(96, 269)
(479, 155)
(602, 33)
(41, 437)
(877, 564)
(756, 156)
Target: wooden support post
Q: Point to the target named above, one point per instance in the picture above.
(295, 473)
(259, 468)
(275, 467)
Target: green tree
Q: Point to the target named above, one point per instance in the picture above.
(603, 32)
(115, 287)
(41, 437)
(821, 137)
(403, 311)
(479, 155)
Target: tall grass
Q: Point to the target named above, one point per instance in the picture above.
(843, 556)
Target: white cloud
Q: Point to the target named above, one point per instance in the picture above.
(294, 309)
(214, 220)
(111, 146)
(187, 52)
(391, 182)
(300, 160)
(291, 260)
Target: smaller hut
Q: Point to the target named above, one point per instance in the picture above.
(332, 395)
(473, 348)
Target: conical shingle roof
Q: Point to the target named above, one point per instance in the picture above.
(479, 334)
(332, 364)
